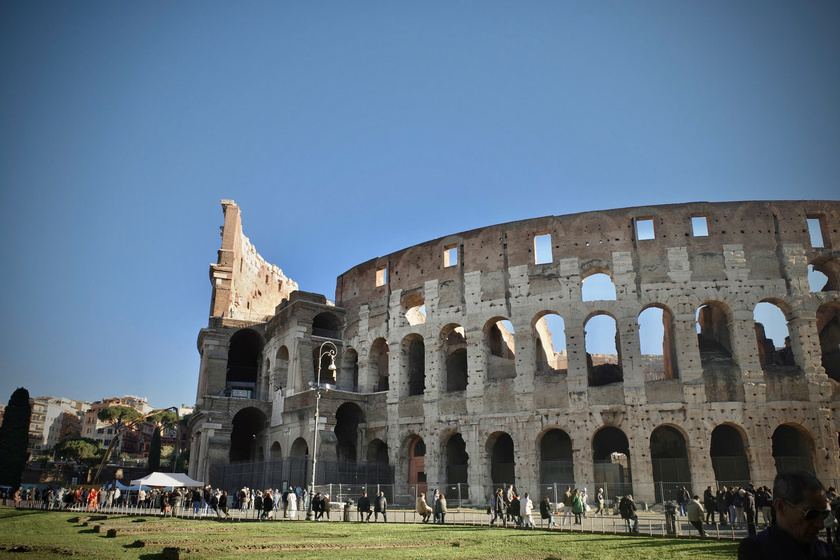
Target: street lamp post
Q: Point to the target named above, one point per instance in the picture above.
(317, 388)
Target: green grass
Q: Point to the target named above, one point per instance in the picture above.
(30, 534)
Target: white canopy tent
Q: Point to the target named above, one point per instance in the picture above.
(167, 480)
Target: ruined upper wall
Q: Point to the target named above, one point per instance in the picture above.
(761, 227)
(245, 286)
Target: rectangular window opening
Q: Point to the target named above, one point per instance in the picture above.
(644, 228)
(699, 226)
(815, 229)
(381, 276)
(542, 248)
(450, 255)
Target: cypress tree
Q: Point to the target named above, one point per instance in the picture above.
(14, 438)
(154, 451)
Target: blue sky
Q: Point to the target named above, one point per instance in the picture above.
(348, 130)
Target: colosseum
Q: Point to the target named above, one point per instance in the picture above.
(471, 359)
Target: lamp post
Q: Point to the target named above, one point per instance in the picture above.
(317, 388)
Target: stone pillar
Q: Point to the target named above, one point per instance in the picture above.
(807, 353)
(476, 370)
(434, 461)
(576, 377)
(641, 467)
(631, 360)
(397, 372)
(523, 384)
(759, 449)
(525, 455)
(699, 449)
(435, 368)
(745, 353)
(479, 493)
(689, 364)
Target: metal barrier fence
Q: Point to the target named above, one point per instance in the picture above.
(286, 473)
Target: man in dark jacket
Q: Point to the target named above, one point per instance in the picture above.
(799, 503)
(748, 503)
(710, 505)
(364, 507)
(627, 509)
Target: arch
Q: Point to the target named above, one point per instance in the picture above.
(328, 367)
(828, 326)
(243, 363)
(326, 325)
(793, 448)
(824, 271)
(348, 417)
(500, 450)
(598, 286)
(457, 460)
(772, 334)
(281, 369)
(499, 348)
(300, 449)
(379, 365)
(417, 464)
(276, 452)
(550, 341)
(611, 461)
(713, 336)
(728, 452)
(348, 377)
(414, 308)
(377, 453)
(454, 349)
(656, 340)
(603, 361)
(556, 458)
(248, 426)
(414, 358)
(670, 462)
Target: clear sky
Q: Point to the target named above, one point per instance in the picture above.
(348, 130)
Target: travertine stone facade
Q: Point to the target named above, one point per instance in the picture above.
(465, 350)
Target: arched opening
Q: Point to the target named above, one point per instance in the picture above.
(326, 325)
(611, 462)
(414, 307)
(281, 369)
(348, 377)
(792, 447)
(721, 373)
(299, 463)
(454, 348)
(243, 364)
(772, 336)
(729, 456)
(327, 375)
(247, 429)
(502, 461)
(713, 333)
(550, 335)
(669, 458)
(414, 354)
(824, 275)
(347, 420)
(276, 451)
(556, 459)
(656, 339)
(457, 461)
(500, 349)
(828, 325)
(377, 453)
(379, 364)
(417, 465)
(603, 361)
(598, 287)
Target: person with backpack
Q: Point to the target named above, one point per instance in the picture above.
(627, 510)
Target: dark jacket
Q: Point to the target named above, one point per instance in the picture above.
(380, 504)
(775, 544)
(364, 504)
(545, 509)
(627, 508)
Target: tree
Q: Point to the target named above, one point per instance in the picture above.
(154, 451)
(14, 438)
(77, 448)
(119, 417)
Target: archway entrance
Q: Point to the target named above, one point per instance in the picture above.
(248, 425)
(556, 461)
(792, 449)
(729, 457)
(611, 462)
(347, 420)
(502, 461)
(457, 461)
(669, 458)
(417, 466)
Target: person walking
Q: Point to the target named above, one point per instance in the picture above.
(545, 512)
(694, 511)
(577, 506)
(526, 507)
(599, 497)
(709, 505)
(627, 509)
(567, 505)
(497, 507)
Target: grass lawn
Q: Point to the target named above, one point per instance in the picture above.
(32, 534)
